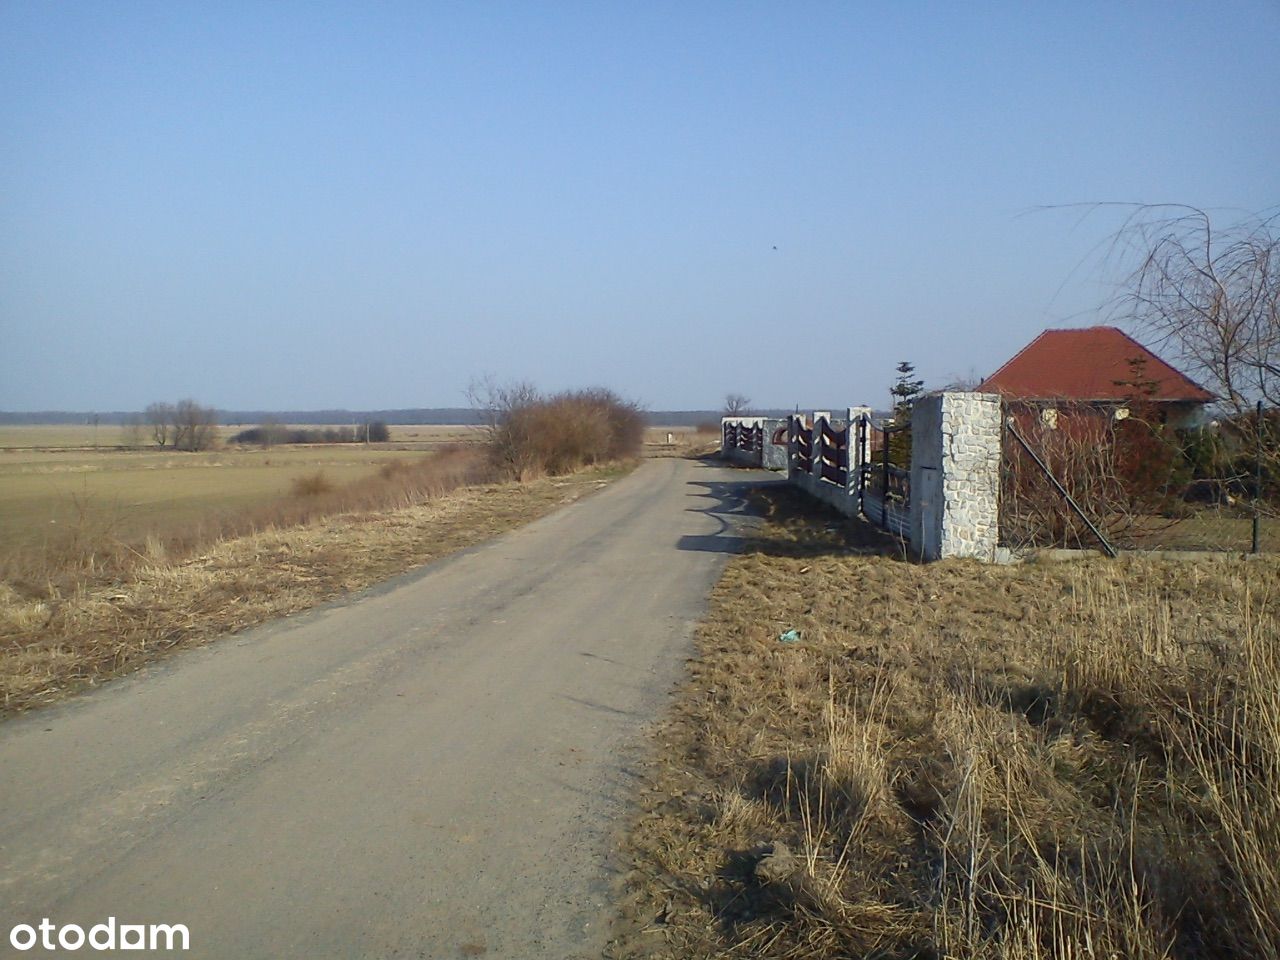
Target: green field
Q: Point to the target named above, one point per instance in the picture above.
(45, 493)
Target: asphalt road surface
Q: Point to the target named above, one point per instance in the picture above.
(435, 768)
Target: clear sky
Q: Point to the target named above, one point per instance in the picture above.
(365, 205)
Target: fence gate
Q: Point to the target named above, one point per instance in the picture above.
(885, 481)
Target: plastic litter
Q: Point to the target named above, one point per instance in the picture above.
(791, 636)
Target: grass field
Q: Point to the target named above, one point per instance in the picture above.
(110, 555)
(51, 477)
(1047, 760)
(114, 437)
(130, 493)
(678, 441)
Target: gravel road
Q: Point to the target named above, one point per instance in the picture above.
(434, 768)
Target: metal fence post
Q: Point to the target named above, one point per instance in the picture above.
(884, 475)
(1257, 483)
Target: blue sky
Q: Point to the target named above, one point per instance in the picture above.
(306, 205)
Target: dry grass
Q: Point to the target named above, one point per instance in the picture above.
(14, 437)
(134, 493)
(680, 442)
(1050, 760)
(96, 543)
(311, 485)
(58, 636)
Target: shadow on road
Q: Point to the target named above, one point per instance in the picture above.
(719, 499)
(813, 528)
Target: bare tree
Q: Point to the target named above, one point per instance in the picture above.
(736, 404)
(505, 433)
(1209, 293)
(194, 426)
(159, 418)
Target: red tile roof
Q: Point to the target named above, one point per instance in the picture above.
(1085, 364)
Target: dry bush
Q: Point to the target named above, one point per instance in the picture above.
(1043, 761)
(1127, 475)
(311, 485)
(531, 435)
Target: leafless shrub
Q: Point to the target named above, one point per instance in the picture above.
(311, 485)
(185, 425)
(1126, 474)
(530, 435)
(194, 426)
(159, 417)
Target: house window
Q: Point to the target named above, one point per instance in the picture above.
(1122, 413)
(1049, 417)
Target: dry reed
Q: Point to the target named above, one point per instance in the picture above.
(1074, 760)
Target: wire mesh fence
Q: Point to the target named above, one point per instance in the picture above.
(1133, 477)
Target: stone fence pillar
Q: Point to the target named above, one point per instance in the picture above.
(773, 455)
(955, 475)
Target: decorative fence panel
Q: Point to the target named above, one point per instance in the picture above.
(833, 452)
(744, 437)
(802, 439)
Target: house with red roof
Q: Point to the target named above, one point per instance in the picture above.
(1101, 369)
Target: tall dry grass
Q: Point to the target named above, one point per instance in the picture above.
(1067, 761)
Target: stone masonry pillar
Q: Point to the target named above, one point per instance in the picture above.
(955, 475)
